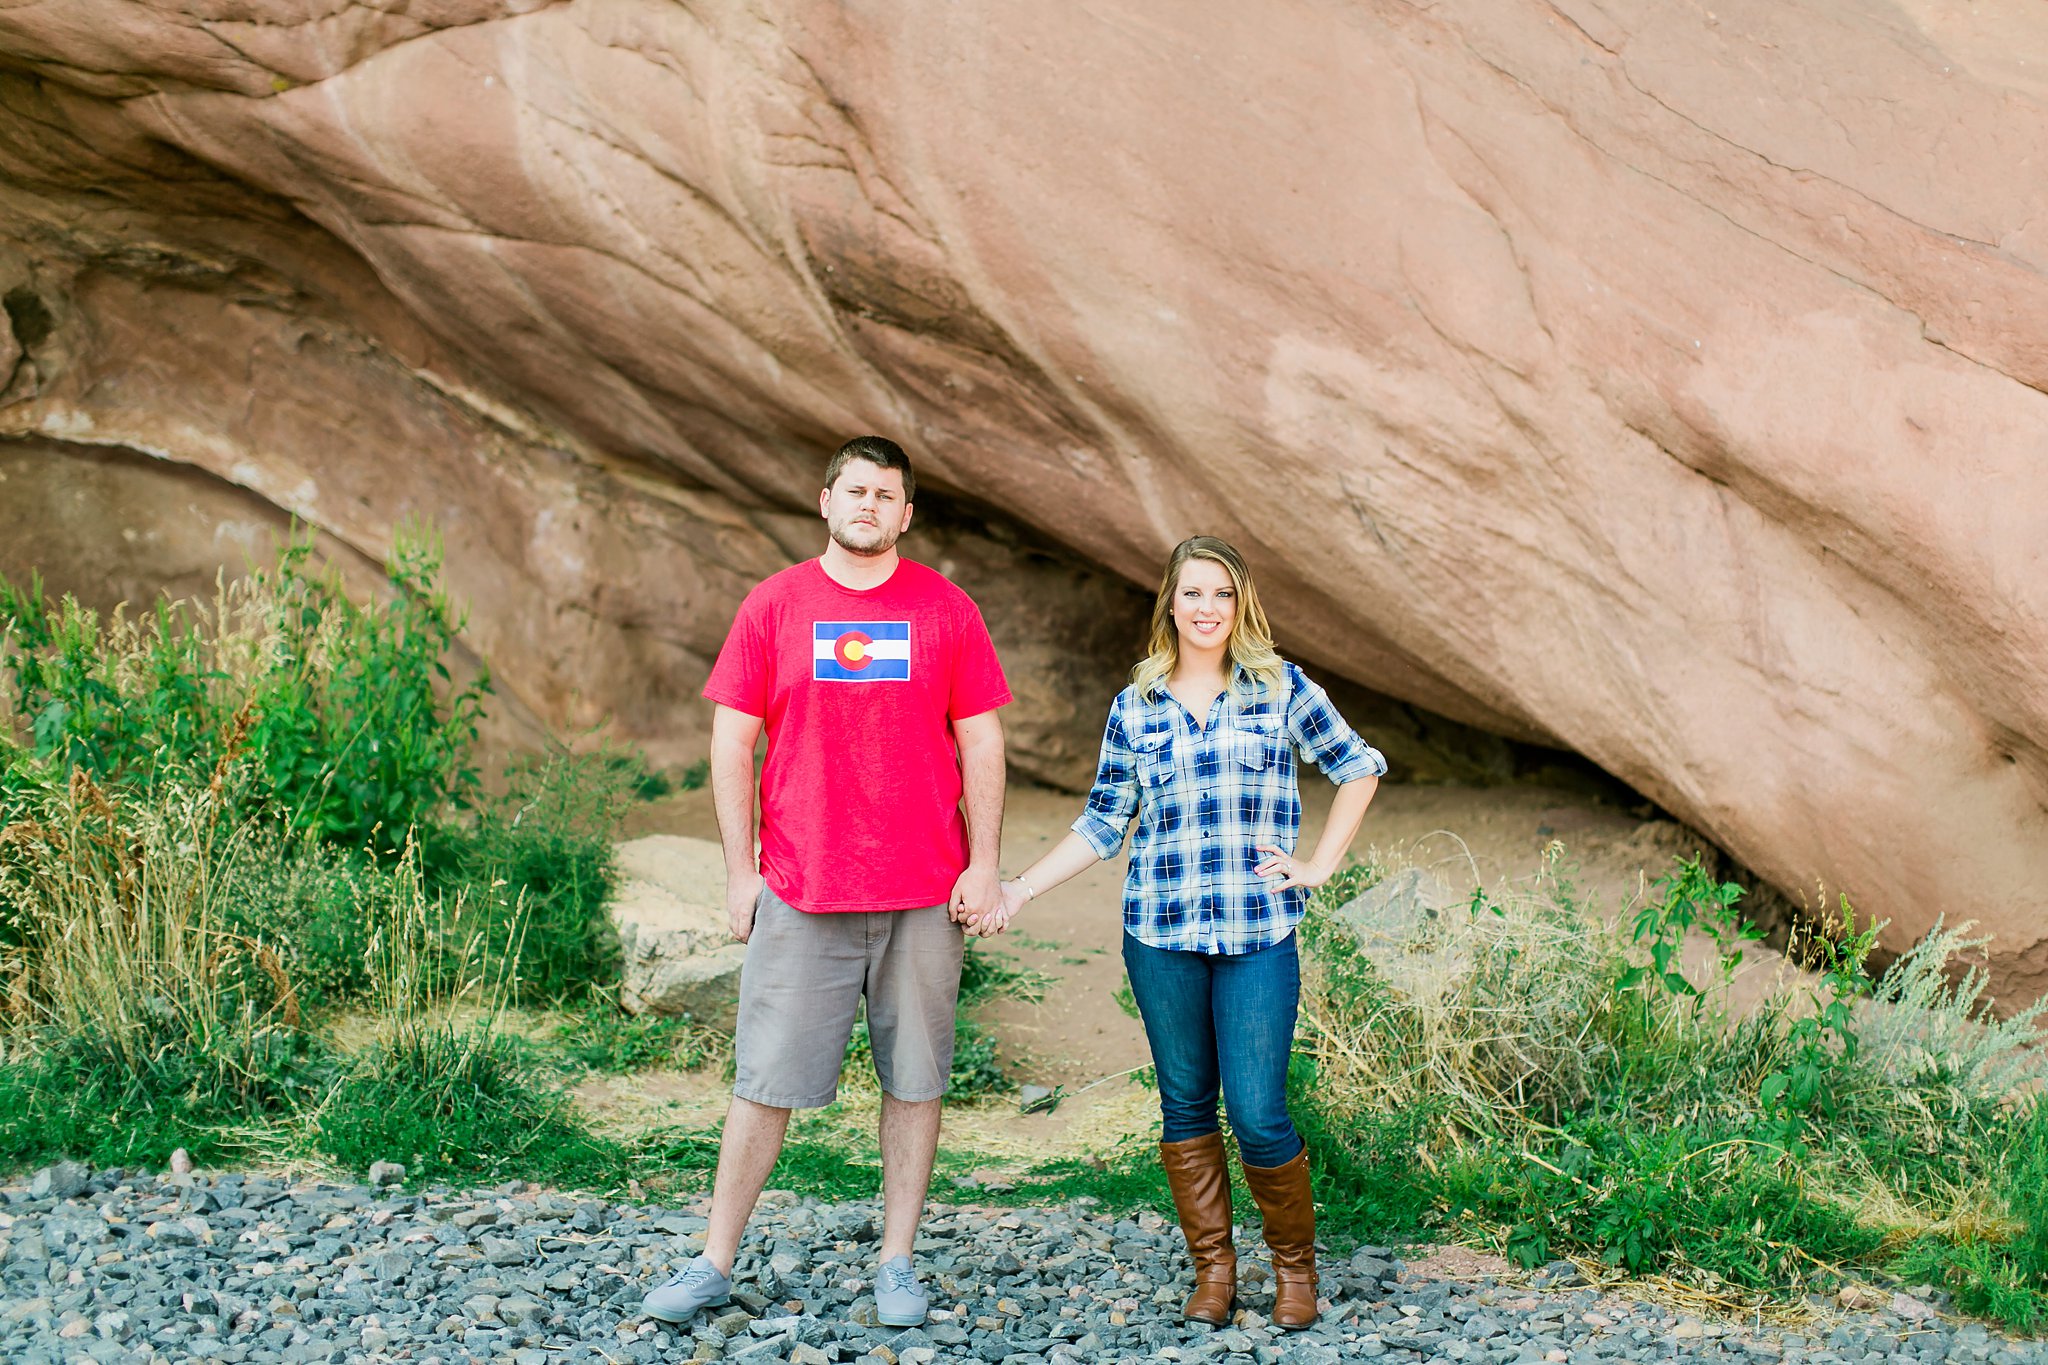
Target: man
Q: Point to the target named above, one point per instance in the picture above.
(878, 687)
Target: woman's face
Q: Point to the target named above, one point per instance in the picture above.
(1204, 606)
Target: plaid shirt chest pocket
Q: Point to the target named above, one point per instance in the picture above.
(1257, 742)
(1153, 755)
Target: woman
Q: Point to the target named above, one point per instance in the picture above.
(1201, 747)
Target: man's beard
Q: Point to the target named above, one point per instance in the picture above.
(882, 544)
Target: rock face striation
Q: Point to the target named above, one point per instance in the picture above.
(1668, 383)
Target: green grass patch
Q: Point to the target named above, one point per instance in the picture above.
(80, 1096)
(461, 1105)
(605, 1038)
(536, 865)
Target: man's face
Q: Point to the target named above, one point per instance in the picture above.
(865, 508)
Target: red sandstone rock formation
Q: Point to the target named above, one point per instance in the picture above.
(1666, 382)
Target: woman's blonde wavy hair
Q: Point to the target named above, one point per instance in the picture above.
(1249, 650)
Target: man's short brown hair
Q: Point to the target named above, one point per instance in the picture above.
(876, 450)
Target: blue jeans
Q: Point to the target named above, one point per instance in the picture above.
(1218, 1021)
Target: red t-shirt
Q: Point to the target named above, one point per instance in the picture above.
(860, 796)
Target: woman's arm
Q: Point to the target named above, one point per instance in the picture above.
(1355, 766)
(1098, 834)
(1064, 860)
(1346, 813)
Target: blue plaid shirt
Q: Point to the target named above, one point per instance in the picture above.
(1205, 797)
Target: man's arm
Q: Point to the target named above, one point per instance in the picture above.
(733, 736)
(982, 776)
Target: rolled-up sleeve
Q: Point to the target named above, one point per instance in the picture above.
(1324, 737)
(1114, 797)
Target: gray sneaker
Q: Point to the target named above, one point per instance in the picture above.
(900, 1301)
(696, 1285)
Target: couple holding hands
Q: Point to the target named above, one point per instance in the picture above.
(880, 803)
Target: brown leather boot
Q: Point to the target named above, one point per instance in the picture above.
(1284, 1198)
(1201, 1195)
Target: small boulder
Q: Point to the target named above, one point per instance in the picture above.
(678, 952)
(1913, 1309)
(1400, 924)
(61, 1181)
(1398, 907)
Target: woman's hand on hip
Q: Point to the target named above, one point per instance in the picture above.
(1291, 870)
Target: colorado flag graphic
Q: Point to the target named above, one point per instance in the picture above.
(860, 651)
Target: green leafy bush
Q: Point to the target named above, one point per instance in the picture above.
(347, 711)
(541, 855)
(220, 817)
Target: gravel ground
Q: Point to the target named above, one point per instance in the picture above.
(113, 1266)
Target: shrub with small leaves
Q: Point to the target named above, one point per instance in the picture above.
(347, 711)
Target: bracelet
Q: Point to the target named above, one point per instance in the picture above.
(1028, 891)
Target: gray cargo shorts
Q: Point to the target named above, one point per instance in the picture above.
(803, 980)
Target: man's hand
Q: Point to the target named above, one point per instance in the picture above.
(742, 893)
(977, 893)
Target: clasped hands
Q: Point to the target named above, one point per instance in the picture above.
(982, 904)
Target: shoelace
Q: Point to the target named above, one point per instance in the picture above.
(691, 1275)
(900, 1281)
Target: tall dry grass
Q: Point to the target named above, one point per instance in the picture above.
(1515, 1056)
(1490, 1008)
(115, 928)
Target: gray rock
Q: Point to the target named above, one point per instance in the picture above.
(64, 1180)
(732, 1324)
(388, 1266)
(1392, 921)
(175, 1234)
(502, 1251)
(677, 952)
